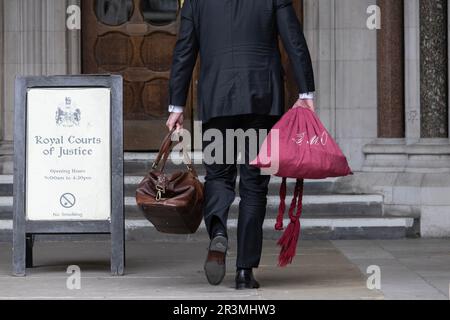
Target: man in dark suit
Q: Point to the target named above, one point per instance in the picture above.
(241, 86)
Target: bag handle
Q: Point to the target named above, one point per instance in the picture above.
(166, 148)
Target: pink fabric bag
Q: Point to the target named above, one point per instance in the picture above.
(298, 147)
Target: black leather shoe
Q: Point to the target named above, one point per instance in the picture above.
(215, 264)
(246, 280)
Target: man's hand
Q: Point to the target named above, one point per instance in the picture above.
(175, 120)
(305, 103)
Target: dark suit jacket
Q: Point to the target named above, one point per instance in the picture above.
(241, 70)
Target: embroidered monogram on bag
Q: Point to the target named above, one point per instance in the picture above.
(315, 140)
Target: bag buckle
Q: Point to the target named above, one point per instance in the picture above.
(160, 192)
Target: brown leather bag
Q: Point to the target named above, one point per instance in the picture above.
(172, 203)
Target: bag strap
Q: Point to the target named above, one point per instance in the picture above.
(299, 187)
(289, 239)
(282, 207)
(166, 148)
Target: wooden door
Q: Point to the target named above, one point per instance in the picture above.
(135, 38)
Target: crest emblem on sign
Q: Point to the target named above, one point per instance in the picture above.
(68, 115)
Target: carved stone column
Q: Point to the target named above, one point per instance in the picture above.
(390, 70)
(35, 42)
(434, 68)
(1, 72)
(412, 71)
(73, 45)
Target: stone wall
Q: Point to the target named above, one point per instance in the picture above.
(412, 173)
(345, 63)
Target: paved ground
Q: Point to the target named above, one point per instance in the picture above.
(410, 269)
(168, 270)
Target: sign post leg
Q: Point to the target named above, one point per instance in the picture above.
(117, 201)
(29, 250)
(117, 240)
(19, 253)
(19, 243)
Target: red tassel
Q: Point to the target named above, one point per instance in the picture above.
(289, 239)
(282, 207)
(288, 243)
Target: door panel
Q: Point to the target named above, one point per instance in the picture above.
(135, 38)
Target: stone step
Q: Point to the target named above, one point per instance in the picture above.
(316, 206)
(339, 206)
(312, 228)
(133, 175)
(139, 163)
(312, 187)
(6, 207)
(6, 185)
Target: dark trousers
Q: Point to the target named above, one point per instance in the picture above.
(220, 183)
